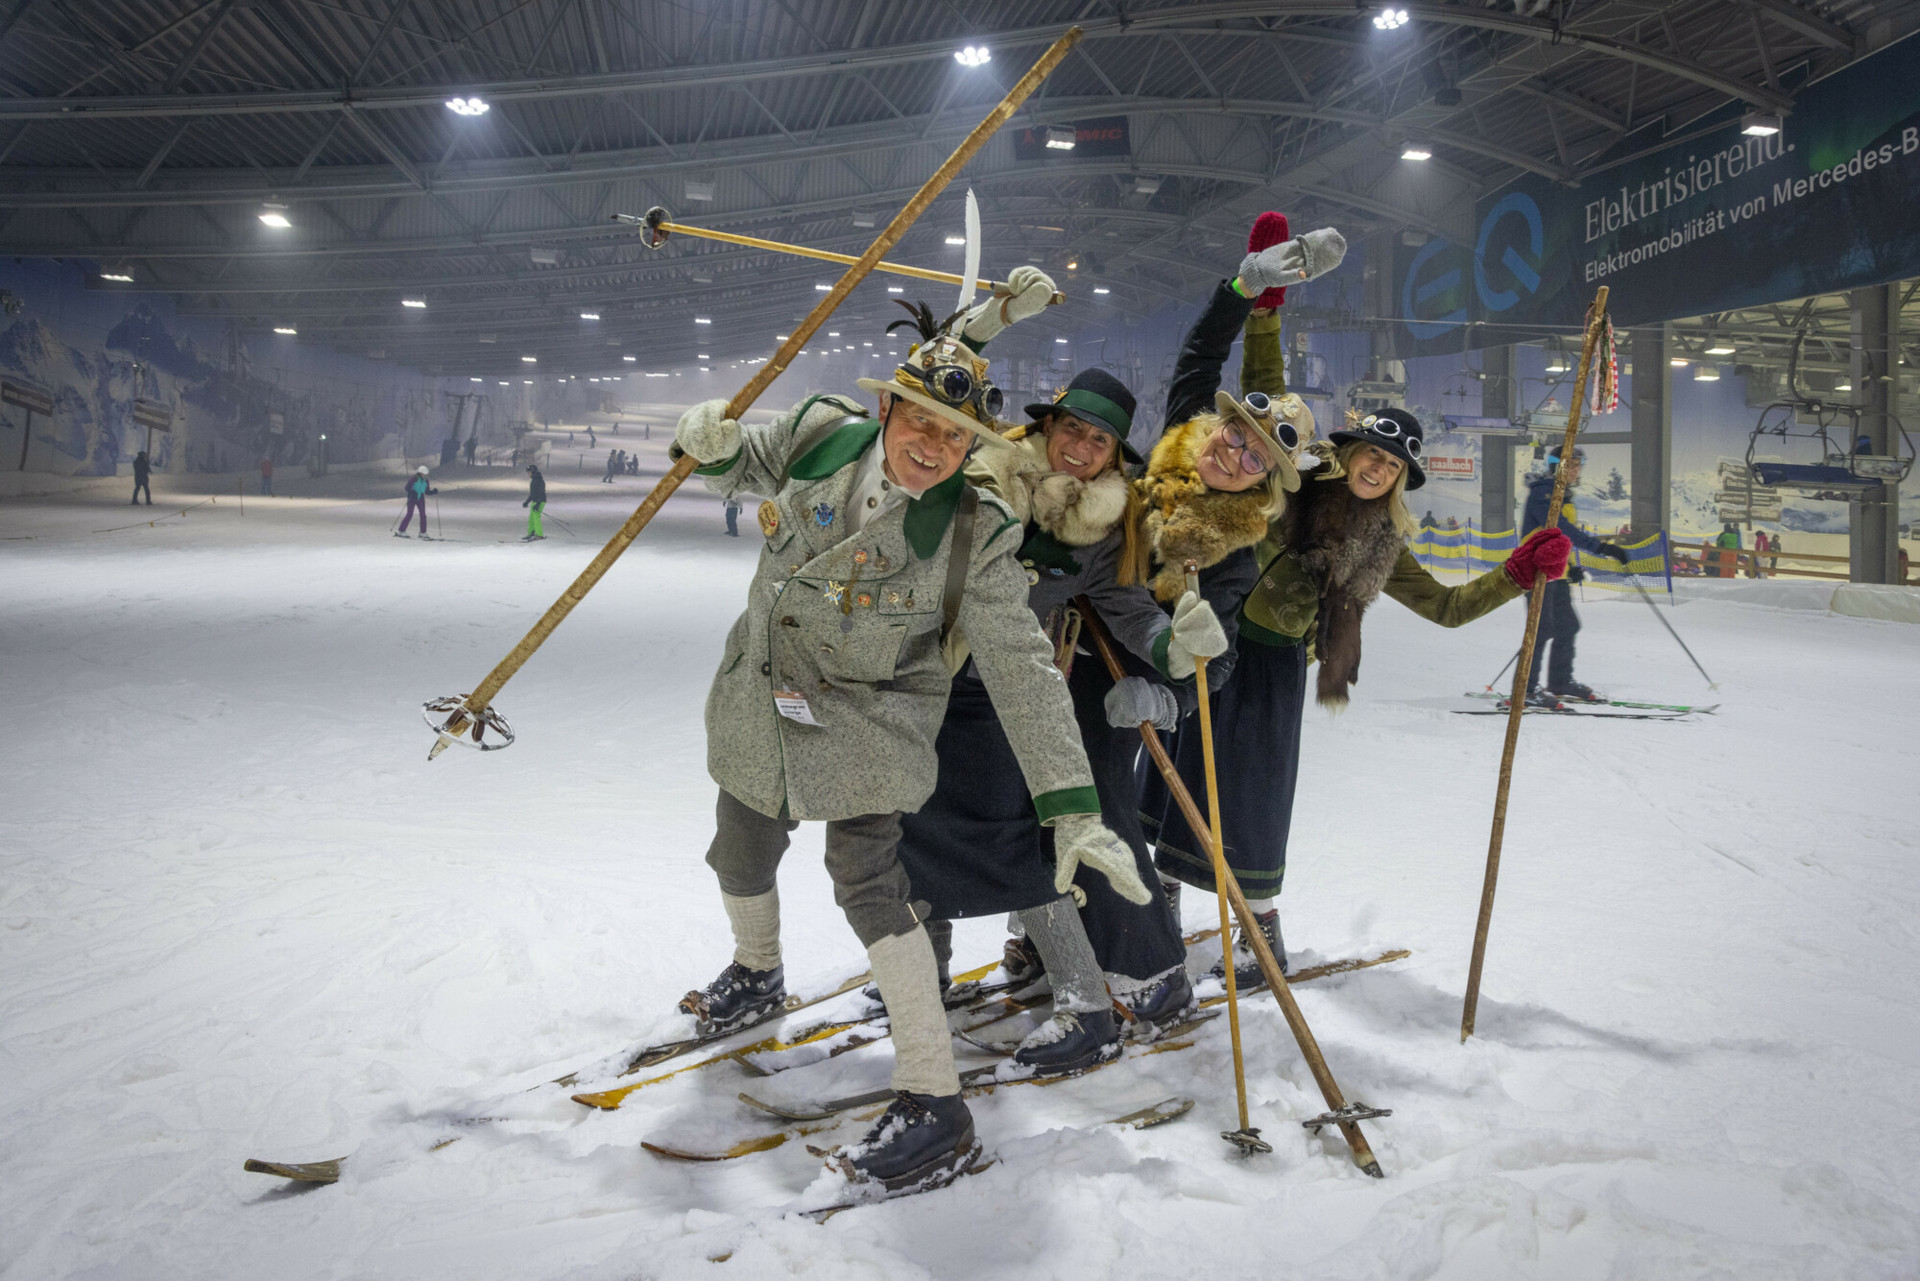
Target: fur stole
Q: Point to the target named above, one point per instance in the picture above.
(1348, 547)
(1077, 512)
(1186, 520)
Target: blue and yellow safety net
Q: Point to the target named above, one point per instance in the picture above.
(1474, 551)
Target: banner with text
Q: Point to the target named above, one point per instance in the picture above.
(1723, 221)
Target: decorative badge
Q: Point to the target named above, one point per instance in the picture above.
(834, 591)
(860, 557)
(863, 600)
(823, 515)
(769, 520)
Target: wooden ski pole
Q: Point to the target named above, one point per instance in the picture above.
(658, 225)
(1362, 1151)
(1517, 701)
(472, 707)
(1246, 1138)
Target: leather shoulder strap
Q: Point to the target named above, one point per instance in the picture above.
(959, 559)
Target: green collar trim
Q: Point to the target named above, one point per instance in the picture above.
(929, 515)
(836, 451)
(1048, 552)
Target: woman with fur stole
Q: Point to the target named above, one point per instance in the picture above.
(977, 845)
(1222, 470)
(1338, 546)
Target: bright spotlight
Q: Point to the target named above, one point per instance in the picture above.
(121, 276)
(630, 359)
(895, 289)
(531, 360)
(973, 56)
(285, 329)
(703, 320)
(1707, 374)
(1390, 19)
(413, 302)
(1760, 124)
(1099, 290)
(468, 106)
(589, 315)
(274, 216)
(1059, 137)
(1414, 151)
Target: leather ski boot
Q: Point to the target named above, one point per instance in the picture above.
(738, 997)
(920, 1141)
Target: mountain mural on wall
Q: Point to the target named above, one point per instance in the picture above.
(97, 353)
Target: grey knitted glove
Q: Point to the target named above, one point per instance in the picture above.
(1083, 838)
(1307, 257)
(1135, 700)
(707, 433)
(1029, 290)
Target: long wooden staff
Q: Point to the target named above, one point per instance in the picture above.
(1517, 702)
(1246, 1138)
(471, 712)
(1341, 1115)
(658, 225)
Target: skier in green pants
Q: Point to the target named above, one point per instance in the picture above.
(535, 504)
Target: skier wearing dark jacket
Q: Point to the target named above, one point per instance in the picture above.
(417, 491)
(1558, 622)
(536, 502)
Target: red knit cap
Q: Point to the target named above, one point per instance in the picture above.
(1269, 229)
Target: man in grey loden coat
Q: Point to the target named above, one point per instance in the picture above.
(833, 685)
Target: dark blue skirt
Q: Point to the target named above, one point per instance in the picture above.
(976, 847)
(1256, 729)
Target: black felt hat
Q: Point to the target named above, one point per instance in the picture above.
(1101, 399)
(1396, 431)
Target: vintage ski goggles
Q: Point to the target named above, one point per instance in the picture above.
(1391, 430)
(1262, 407)
(957, 386)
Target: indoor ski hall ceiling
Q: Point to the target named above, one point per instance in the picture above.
(146, 138)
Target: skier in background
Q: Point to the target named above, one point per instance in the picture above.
(733, 518)
(142, 479)
(473, 443)
(266, 474)
(536, 502)
(417, 491)
(1558, 622)
(613, 465)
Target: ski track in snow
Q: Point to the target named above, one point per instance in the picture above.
(240, 915)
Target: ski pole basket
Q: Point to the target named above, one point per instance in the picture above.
(439, 713)
(1355, 1111)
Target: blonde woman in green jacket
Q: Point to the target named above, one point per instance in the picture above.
(1338, 546)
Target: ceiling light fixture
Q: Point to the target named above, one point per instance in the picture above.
(1390, 19)
(703, 320)
(122, 276)
(630, 359)
(473, 380)
(1059, 137)
(1415, 151)
(589, 315)
(1707, 374)
(274, 215)
(956, 240)
(543, 256)
(1843, 385)
(1073, 264)
(1101, 290)
(415, 303)
(702, 191)
(974, 55)
(285, 329)
(1144, 185)
(1760, 124)
(468, 106)
(821, 289)
(1720, 347)
(530, 360)
(1679, 362)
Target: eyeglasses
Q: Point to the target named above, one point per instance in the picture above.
(1262, 406)
(1392, 430)
(955, 385)
(1250, 460)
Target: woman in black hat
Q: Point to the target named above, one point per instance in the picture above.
(1339, 544)
(976, 847)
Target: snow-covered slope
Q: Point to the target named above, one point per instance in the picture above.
(240, 915)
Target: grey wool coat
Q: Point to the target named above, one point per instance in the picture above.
(852, 624)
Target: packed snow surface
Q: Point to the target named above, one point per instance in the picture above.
(242, 916)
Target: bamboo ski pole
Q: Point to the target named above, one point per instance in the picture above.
(1246, 1138)
(1341, 1114)
(658, 225)
(472, 707)
(1517, 701)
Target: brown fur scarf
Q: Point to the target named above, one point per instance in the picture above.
(1349, 547)
(1187, 521)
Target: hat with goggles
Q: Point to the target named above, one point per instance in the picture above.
(1274, 420)
(947, 378)
(1098, 398)
(1397, 432)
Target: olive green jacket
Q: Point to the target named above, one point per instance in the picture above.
(852, 625)
(1285, 603)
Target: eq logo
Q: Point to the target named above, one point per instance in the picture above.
(1518, 270)
(1429, 285)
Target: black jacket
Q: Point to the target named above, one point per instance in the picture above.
(536, 488)
(141, 468)
(1196, 375)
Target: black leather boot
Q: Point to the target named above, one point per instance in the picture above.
(738, 997)
(1246, 970)
(1070, 1042)
(920, 1141)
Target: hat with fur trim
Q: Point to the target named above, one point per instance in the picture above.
(1396, 431)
